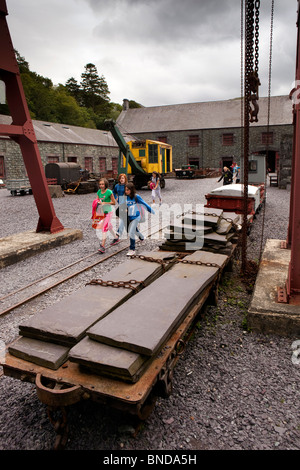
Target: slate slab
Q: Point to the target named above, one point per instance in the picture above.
(107, 360)
(210, 217)
(39, 352)
(187, 231)
(66, 321)
(224, 226)
(145, 321)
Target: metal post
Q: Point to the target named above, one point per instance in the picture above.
(22, 131)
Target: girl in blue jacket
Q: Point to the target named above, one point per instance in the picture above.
(134, 216)
(121, 212)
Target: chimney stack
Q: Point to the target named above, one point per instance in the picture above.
(125, 104)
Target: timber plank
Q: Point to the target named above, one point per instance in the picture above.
(145, 321)
(66, 321)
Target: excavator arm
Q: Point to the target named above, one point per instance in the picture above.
(124, 150)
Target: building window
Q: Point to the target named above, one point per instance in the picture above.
(88, 164)
(102, 164)
(193, 140)
(267, 138)
(72, 159)
(114, 166)
(53, 159)
(153, 153)
(2, 168)
(194, 163)
(227, 139)
(163, 138)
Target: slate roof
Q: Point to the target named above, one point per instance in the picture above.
(64, 133)
(205, 115)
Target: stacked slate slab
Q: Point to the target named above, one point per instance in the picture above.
(47, 337)
(213, 231)
(123, 343)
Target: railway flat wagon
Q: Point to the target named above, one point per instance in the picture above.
(119, 352)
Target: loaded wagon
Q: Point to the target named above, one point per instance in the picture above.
(119, 352)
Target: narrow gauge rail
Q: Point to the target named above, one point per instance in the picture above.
(47, 279)
(37, 288)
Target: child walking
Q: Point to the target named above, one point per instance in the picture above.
(156, 187)
(105, 199)
(121, 212)
(134, 215)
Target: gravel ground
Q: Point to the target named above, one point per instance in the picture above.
(232, 389)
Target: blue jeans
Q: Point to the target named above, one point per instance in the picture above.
(133, 230)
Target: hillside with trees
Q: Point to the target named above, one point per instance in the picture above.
(85, 104)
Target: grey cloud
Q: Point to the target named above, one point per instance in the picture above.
(163, 21)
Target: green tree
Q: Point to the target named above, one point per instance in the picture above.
(95, 89)
(74, 89)
(69, 112)
(86, 104)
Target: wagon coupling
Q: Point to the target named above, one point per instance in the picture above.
(57, 397)
(56, 394)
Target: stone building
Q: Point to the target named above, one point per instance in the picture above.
(94, 150)
(206, 134)
(209, 134)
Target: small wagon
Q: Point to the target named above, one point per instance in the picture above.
(18, 187)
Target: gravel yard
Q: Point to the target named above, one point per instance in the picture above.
(232, 389)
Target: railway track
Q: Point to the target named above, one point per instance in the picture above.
(25, 294)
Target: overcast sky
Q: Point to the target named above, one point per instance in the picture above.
(156, 52)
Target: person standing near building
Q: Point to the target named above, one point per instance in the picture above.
(226, 176)
(236, 173)
(155, 186)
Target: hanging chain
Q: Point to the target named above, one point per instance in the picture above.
(257, 5)
(252, 55)
(250, 97)
(268, 122)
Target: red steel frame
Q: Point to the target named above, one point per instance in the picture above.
(293, 237)
(22, 131)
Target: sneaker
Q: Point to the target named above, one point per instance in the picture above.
(115, 241)
(101, 249)
(131, 253)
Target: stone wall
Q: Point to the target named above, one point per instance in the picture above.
(210, 151)
(15, 168)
